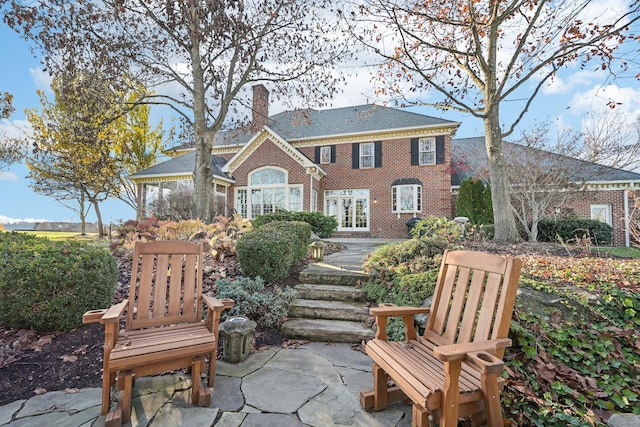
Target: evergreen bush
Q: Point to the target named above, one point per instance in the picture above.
(268, 307)
(48, 285)
(266, 252)
(322, 225)
(474, 201)
(568, 230)
(302, 232)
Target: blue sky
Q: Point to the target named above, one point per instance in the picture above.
(566, 100)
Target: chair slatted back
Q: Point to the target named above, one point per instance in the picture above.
(474, 297)
(166, 284)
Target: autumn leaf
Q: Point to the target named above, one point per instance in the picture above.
(39, 391)
(68, 358)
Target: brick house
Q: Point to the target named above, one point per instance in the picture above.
(372, 167)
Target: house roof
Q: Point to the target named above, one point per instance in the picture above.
(469, 160)
(310, 123)
(181, 166)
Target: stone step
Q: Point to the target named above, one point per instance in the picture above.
(326, 330)
(317, 273)
(329, 292)
(336, 310)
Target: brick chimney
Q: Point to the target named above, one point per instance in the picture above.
(260, 108)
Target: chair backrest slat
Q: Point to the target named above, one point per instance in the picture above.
(166, 284)
(474, 297)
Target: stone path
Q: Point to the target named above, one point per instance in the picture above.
(317, 384)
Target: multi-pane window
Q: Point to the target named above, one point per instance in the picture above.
(267, 192)
(367, 155)
(427, 151)
(601, 213)
(406, 198)
(325, 154)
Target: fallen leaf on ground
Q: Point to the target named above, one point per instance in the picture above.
(68, 358)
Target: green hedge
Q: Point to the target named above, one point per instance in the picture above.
(300, 230)
(322, 225)
(47, 285)
(571, 229)
(266, 252)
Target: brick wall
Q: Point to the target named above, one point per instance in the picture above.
(581, 203)
(396, 163)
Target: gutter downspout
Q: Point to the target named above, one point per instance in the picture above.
(627, 218)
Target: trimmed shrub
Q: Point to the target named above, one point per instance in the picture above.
(409, 256)
(48, 285)
(438, 229)
(268, 307)
(300, 230)
(322, 225)
(266, 252)
(568, 230)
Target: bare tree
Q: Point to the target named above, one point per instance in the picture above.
(197, 55)
(612, 137)
(476, 55)
(542, 174)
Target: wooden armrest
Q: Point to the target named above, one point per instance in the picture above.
(394, 310)
(105, 315)
(451, 352)
(382, 313)
(217, 304)
(485, 362)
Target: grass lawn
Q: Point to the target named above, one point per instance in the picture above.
(620, 251)
(62, 235)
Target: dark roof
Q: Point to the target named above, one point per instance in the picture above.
(183, 164)
(469, 160)
(311, 123)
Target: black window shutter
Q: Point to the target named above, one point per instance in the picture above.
(333, 154)
(440, 149)
(377, 147)
(355, 155)
(415, 152)
(317, 155)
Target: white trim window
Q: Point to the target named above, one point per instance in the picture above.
(325, 154)
(601, 213)
(406, 198)
(367, 155)
(268, 191)
(427, 150)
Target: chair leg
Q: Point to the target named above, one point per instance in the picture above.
(107, 381)
(491, 395)
(380, 388)
(126, 400)
(420, 416)
(451, 394)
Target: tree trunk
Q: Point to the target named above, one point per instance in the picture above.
(505, 224)
(202, 177)
(96, 207)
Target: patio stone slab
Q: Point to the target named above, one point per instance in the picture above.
(177, 416)
(286, 391)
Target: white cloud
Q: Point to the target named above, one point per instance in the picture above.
(41, 79)
(8, 176)
(598, 97)
(569, 81)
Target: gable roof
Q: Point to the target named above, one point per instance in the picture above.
(469, 160)
(310, 123)
(261, 137)
(180, 167)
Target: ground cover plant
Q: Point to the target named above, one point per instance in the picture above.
(574, 361)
